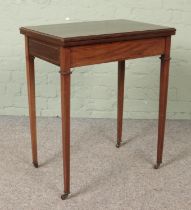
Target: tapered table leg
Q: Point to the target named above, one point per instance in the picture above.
(31, 101)
(65, 109)
(164, 76)
(121, 78)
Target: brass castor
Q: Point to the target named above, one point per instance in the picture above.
(118, 144)
(156, 166)
(35, 164)
(64, 196)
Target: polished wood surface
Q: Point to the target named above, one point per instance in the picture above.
(45, 51)
(31, 100)
(164, 77)
(102, 53)
(99, 53)
(65, 110)
(92, 32)
(120, 93)
(79, 44)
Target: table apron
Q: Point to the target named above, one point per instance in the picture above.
(102, 53)
(99, 53)
(44, 51)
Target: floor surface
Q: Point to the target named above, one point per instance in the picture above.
(102, 176)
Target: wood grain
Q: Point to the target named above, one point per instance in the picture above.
(92, 32)
(164, 77)
(44, 51)
(65, 111)
(31, 100)
(102, 53)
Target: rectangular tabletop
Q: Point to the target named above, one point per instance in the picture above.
(82, 33)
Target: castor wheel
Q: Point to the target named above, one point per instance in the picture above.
(118, 145)
(64, 196)
(35, 164)
(156, 166)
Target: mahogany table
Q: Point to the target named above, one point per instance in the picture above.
(79, 44)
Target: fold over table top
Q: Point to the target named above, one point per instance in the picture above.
(92, 32)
